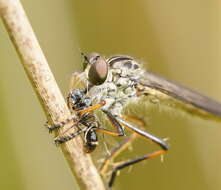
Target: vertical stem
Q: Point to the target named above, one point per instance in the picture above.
(42, 79)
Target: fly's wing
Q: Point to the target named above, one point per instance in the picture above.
(170, 93)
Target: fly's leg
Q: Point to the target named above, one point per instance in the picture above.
(92, 108)
(122, 146)
(115, 152)
(131, 162)
(119, 129)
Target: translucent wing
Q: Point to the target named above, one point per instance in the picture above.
(170, 93)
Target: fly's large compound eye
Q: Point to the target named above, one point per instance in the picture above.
(98, 71)
(89, 59)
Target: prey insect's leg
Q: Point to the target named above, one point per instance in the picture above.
(85, 120)
(60, 124)
(83, 116)
(122, 146)
(146, 136)
(61, 139)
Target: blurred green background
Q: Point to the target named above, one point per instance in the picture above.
(180, 40)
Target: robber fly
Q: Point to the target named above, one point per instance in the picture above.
(110, 85)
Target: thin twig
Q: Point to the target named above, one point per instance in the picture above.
(52, 101)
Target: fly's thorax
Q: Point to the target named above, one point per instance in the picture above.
(129, 68)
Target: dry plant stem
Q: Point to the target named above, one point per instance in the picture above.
(45, 86)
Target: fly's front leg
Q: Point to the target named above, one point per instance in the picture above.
(119, 129)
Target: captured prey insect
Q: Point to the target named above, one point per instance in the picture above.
(110, 85)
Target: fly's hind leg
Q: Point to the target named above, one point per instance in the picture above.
(122, 146)
(115, 152)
